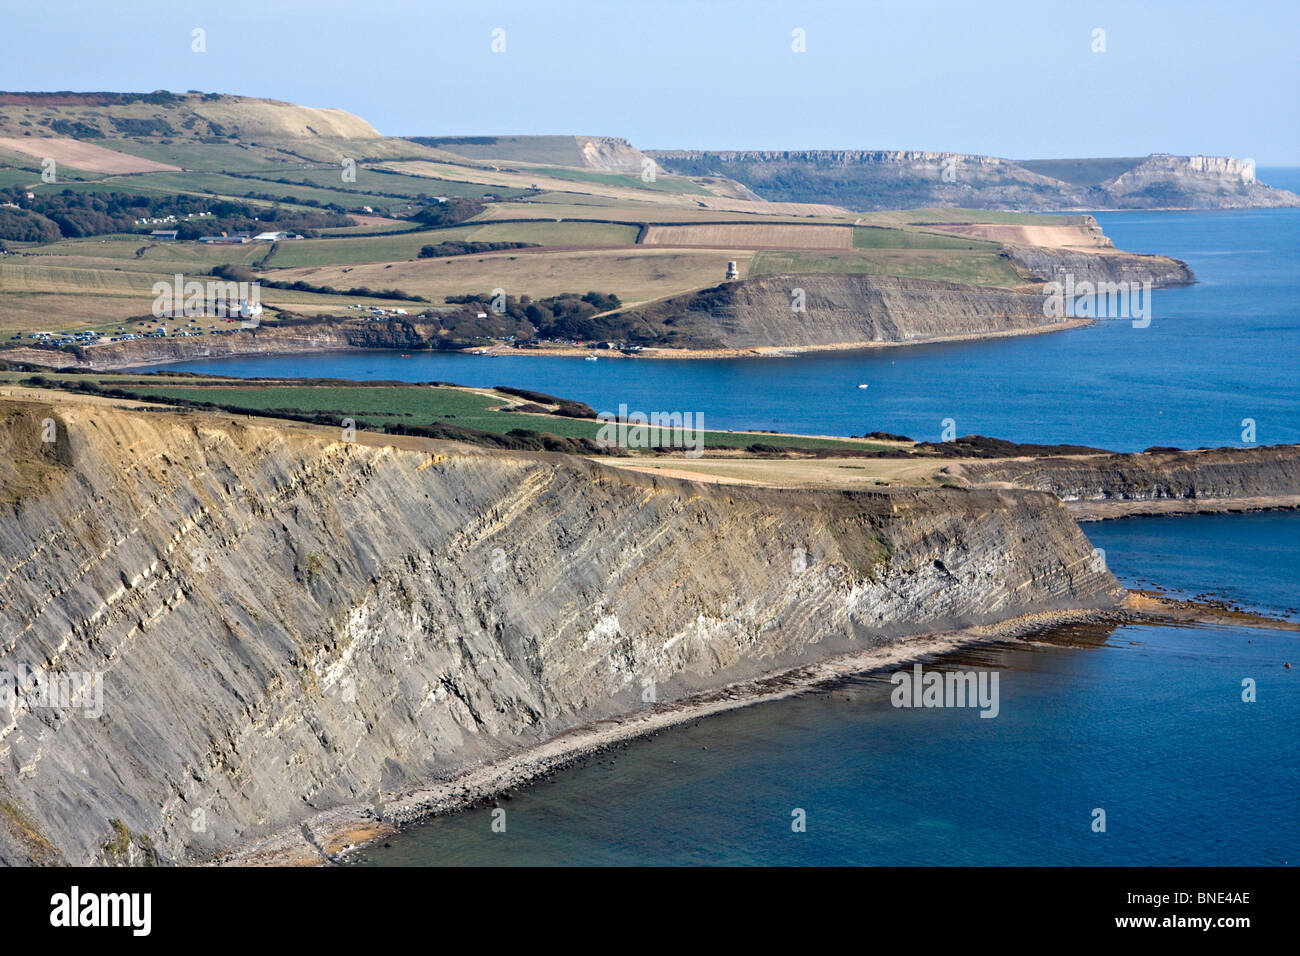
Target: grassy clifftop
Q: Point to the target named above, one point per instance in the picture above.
(358, 616)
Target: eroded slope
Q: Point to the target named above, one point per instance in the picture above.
(284, 622)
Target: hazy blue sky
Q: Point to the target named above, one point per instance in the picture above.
(1007, 78)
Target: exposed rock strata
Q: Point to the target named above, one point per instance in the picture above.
(910, 179)
(284, 622)
(1045, 265)
(846, 309)
(266, 340)
(1155, 482)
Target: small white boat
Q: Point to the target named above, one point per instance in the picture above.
(590, 358)
(864, 386)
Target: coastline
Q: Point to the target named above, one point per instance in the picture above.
(330, 836)
(30, 356)
(788, 351)
(1114, 509)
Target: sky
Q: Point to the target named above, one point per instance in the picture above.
(1023, 80)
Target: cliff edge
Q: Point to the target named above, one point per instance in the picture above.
(282, 622)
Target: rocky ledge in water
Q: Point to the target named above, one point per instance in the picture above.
(1156, 481)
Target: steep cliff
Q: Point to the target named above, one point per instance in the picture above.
(1155, 481)
(1044, 265)
(611, 154)
(320, 336)
(838, 310)
(284, 622)
(909, 179)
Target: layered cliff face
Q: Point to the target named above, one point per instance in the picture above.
(840, 310)
(1105, 485)
(265, 340)
(900, 179)
(614, 155)
(1196, 181)
(1045, 265)
(282, 622)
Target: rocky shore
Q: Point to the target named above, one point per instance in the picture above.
(748, 317)
(286, 623)
(1157, 481)
(330, 837)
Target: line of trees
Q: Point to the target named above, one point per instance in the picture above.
(70, 214)
(235, 273)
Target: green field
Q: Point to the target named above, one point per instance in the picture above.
(221, 184)
(365, 229)
(875, 237)
(380, 182)
(972, 268)
(9, 176)
(923, 216)
(378, 405)
(551, 150)
(126, 248)
(341, 251)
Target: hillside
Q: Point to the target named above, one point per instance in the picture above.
(383, 642)
(170, 127)
(604, 153)
(146, 187)
(900, 179)
(858, 310)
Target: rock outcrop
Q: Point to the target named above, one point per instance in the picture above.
(1156, 481)
(846, 310)
(908, 179)
(839, 310)
(319, 336)
(284, 622)
(1045, 265)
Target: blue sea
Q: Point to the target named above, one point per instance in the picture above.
(1145, 723)
(1216, 353)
